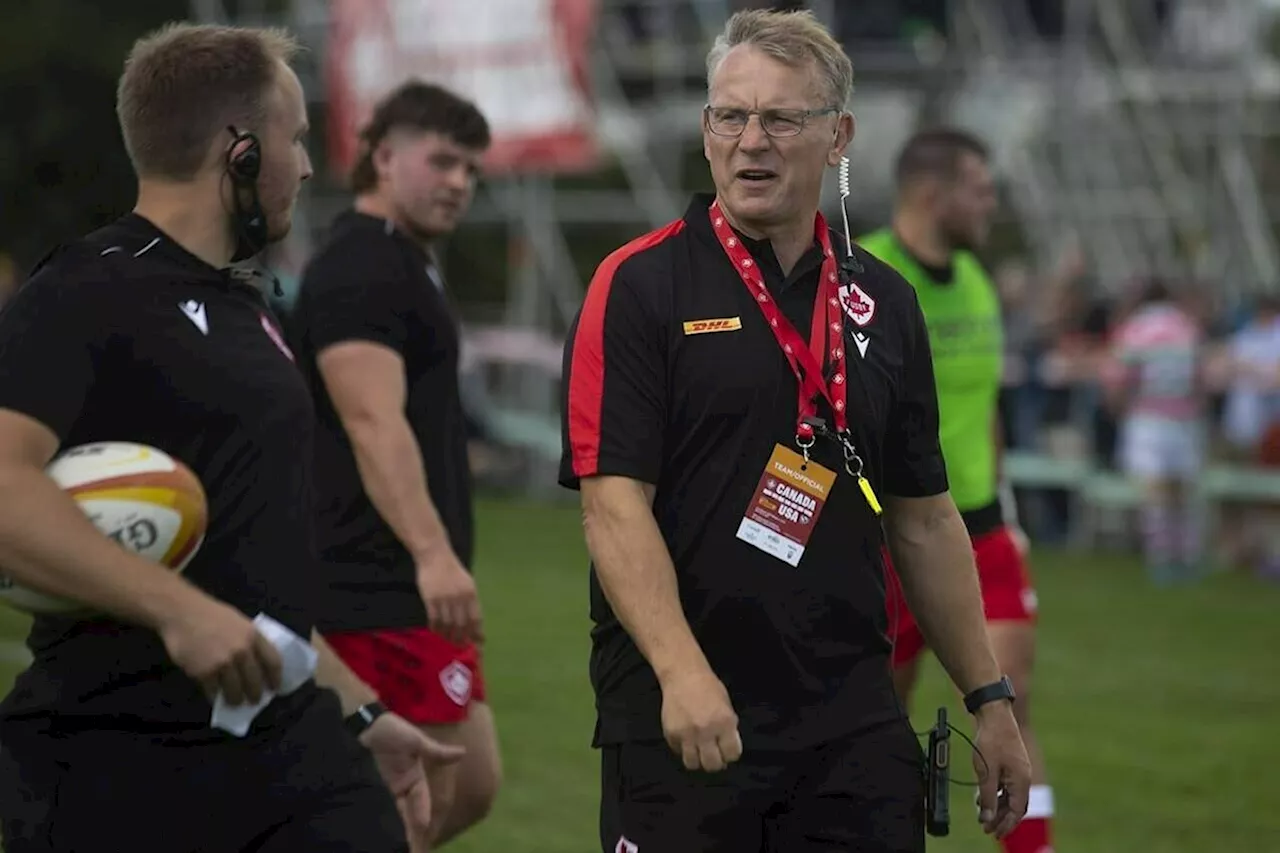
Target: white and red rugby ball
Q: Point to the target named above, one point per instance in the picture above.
(141, 497)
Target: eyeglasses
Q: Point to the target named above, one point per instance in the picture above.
(730, 121)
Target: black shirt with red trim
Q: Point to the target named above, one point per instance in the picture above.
(125, 336)
(370, 282)
(803, 651)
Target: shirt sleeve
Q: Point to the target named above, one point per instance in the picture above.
(614, 400)
(354, 295)
(913, 464)
(49, 352)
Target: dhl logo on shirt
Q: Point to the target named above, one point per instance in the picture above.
(722, 324)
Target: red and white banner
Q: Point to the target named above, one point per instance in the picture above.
(523, 63)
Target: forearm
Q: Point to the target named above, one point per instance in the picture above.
(331, 672)
(934, 560)
(395, 479)
(636, 573)
(49, 544)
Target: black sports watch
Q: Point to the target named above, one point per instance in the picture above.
(1002, 689)
(363, 717)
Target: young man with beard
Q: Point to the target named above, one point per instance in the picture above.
(378, 341)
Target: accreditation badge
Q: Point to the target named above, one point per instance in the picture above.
(782, 513)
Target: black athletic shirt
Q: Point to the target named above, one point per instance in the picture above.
(803, 651)
(125, 336)
(370, 282)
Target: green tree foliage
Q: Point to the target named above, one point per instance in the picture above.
(63, 170)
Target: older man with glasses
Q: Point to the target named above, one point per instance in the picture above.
(744, 389)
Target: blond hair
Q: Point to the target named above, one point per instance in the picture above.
(185, 83)
(794, 38)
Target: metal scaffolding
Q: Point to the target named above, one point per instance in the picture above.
(1146, 151)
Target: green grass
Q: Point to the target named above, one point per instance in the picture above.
(1157, 708)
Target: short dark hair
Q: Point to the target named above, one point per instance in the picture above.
(183, 85)
(1155, 288)
(1267, 303)
(420, 106)
(936, 153)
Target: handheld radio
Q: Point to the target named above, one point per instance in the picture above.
(938, 778)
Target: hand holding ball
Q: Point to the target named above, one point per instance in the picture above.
(147, 501)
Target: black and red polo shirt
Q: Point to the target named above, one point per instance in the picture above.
(674, 378)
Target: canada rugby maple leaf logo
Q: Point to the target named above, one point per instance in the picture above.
(857, 304)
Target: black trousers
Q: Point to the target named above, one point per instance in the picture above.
(310, 787)
(863, 794)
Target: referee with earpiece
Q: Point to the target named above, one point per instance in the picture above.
(139, 332)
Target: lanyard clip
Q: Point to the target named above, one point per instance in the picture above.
(852, 461)
(853, 464)
(804, 438)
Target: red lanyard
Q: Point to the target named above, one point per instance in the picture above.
(805, 358)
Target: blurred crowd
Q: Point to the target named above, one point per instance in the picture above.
(1057, 342)
(1060, 344)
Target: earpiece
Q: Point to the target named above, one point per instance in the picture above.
(244, 163)
(244, 157)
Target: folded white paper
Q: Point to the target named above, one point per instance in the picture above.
(299, 665)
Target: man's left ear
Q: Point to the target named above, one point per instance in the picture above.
(841, 138)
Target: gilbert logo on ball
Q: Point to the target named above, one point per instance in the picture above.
(138, 496)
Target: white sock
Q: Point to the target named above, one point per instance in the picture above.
(1040, 802)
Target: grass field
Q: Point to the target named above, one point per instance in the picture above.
(1158, 709)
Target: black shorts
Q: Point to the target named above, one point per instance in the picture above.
(864, 794)
(309, 787)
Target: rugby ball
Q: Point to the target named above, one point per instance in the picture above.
(139, 496)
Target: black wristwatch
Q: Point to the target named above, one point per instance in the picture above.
(364, 717)
(1002, 689)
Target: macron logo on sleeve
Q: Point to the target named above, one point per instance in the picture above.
(196, 314)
